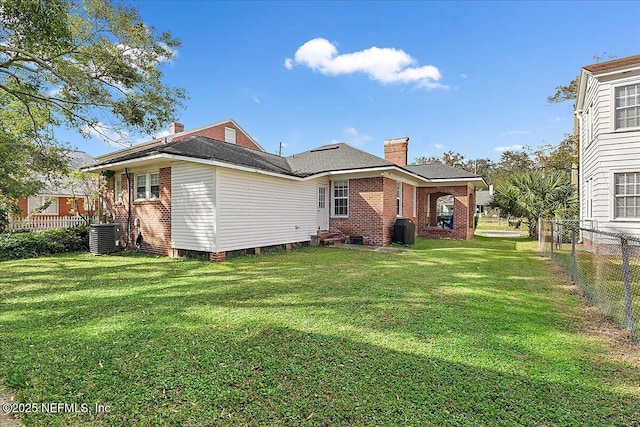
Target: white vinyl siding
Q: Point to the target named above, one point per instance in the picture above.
(35, 203)
(612, 151)
(340, 198)
(627, 106)
(229, 135)
(193, 207)
(256, 210)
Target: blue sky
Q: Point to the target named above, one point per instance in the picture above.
(471, 77)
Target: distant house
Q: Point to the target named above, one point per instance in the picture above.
(483, 200)
(192, 191)
(55, 199)
(608, 111)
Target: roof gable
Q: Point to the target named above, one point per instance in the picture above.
(612, 65)
(437, 170)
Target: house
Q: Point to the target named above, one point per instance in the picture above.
(608, 111)
(483, 201)
(193, 192)
(56, 198)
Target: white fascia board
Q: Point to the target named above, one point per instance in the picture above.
(174, 157)
(368, 170)
(582, 89)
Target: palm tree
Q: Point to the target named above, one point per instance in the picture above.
(537, 194)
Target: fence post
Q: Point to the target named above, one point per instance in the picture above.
(552, 239)
(540, 236)
(574, 269)
(626, 275)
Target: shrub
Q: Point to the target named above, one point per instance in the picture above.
(38, 243)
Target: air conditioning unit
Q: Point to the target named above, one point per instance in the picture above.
(104, 238)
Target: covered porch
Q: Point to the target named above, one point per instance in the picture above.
(456, 221)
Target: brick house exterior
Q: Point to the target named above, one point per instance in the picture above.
(233, 196)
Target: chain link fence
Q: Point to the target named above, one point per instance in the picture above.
(606, 266)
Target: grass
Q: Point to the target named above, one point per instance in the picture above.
(477, 333)
(488, 223)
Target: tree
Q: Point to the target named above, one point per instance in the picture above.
(561, 157)
(89, 187)
(92, 66)
(536, 194)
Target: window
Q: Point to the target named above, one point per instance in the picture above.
(43, 205)
(415, 197)
(155, 185)
(322, 197)
(230, 135)
(141, 186)
(589, 198)
(341, 198)
(627, 106)
(148, 186)
(627, 195)
(399, 199)
(118, 188)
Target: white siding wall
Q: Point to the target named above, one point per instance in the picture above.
(257, 210)
(607, 153)
(193, 207)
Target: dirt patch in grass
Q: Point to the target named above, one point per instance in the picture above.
(7, 419)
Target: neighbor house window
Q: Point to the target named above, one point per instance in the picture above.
(43, 205)
(230, 135)
(628, 106)
(627, 195)
(341, 198)
(148, 186)
(399, 199)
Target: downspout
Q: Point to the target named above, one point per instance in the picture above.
(126, 172)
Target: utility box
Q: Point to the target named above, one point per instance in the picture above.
(404, 231)
(104, 238)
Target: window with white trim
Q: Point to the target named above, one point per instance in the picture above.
(118, 188)
(36, 204)
(399, 198)
(415, 197)
(148, 186)
(627, 106)
(627, 195)
(589, 197)
(340, 198)
(322, 195)
(230, 135)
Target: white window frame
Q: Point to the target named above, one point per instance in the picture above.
(589, 198)
(415, 199)
(32, 205)
(635, 195)
(118, 188)
(617, 109)
(230, 135)
(399, 199)
(343, 197)
(147, 193)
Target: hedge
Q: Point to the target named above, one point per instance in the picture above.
(37, 243)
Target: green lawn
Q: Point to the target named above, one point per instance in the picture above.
(450, 333)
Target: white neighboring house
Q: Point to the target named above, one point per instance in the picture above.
(608, 112)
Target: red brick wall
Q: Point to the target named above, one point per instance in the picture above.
(463, 211)
(372, 210)
(396, 152)
(217, 132)
(154, 215)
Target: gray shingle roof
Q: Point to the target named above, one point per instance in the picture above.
(62, 185)
(202, 147)
(333, 157)
(440, 171)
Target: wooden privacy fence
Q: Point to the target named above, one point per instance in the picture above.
(44, 223)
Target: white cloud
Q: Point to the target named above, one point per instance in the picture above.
(438, 146)
(385, 65)
(256, 99)
(107, 134)
(464, 76)
(356, 138)
(514, 147)
(514, 132)
(557, 119)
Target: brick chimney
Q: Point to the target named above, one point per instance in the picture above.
(395, 150)
(176, 127)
